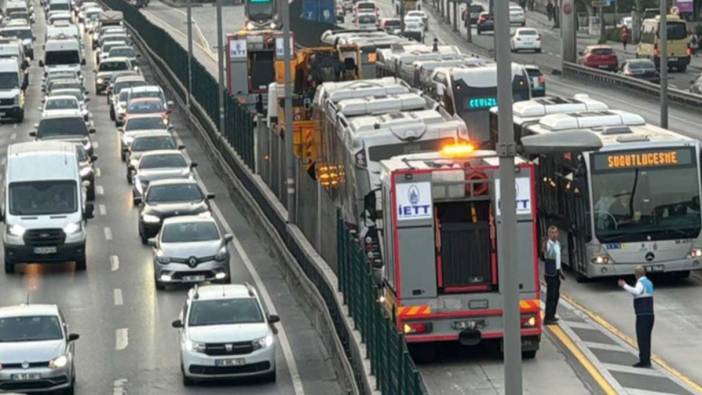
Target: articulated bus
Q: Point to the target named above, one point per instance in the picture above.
(635, 201)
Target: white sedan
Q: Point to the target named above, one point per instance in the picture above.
(526, 38)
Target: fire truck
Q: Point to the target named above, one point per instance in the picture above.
(251, 64)
(440, 219)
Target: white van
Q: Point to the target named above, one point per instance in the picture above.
(11, 47)
(62, 29)
(13, 82)
(44, 205)
(59, 5)
(64, 53)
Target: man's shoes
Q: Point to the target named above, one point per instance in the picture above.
(642, 365)
(551, 321)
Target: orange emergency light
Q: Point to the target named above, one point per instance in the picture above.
(457, 150)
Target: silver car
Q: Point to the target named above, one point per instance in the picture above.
(36, 350)
(159, 165)
(190, 249)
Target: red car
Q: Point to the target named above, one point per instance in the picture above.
(599, 57)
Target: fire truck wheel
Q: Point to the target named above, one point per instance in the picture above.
(529, 354)
(423, 352)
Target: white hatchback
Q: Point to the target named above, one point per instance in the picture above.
(526, 38)
(224, 333)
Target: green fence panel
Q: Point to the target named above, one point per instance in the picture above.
(387, 350)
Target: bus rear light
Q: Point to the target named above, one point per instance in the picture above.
(695, 253)
(413, 328)
(528, 321)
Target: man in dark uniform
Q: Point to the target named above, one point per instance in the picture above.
(552, 274)
(643, 306)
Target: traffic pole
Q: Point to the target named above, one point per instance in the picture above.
(289, 155)
(190, 54)
(507, 223)
(220, 61)
(663, 34)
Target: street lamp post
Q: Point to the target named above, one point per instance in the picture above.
(190, 54)
(663, 34)
(289, 157)
(220, 61)
(506, 150)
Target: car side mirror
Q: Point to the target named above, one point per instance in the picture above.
(91, 130)
(137, 200)
(210, 196)
(94, 158)
(177, 324)
(272, 319)
(82, 62)
(89, 211)
(194, 164)
(152, 242)
(41, 63)
(94, 71)
(171, 128)
(228, 238)
(87, 100)
(181, 147)
(581, 53)
(32, 134)
(73, 337)
(120, 129)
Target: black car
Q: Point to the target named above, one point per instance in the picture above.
(475, 11)
(696, 85)
(169, 198)
(643, 69)
(486, 23)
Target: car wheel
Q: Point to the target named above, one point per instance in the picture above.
(129, 176)
(538, 50)
(681, 69)
(9, 267)
(142, 236)
(270, 377)
(70, 390)
(20, 117)
(187, 381)
(160, 286)
(90, 193)
(81, 264)
(112, 113)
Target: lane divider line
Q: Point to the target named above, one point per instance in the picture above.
(102, 209)
(114, 263)
(119, 387)
(121, 339)
(13, 136)
(117, 296)
(99, 190)
(98, 173)
(108, 233)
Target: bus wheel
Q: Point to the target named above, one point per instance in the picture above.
(683, 274)
(581, 278)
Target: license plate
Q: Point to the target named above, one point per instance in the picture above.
(193, 278)
(672, 59)
(230, 362)
(602, 66)
(44, 250)
(25, 376)
(654, 268)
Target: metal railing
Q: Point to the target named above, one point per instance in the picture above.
(386, 347)
(572, 70)
(239, 122)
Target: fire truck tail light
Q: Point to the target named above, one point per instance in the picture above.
(528, 321)
(413, 328)
(457, 150)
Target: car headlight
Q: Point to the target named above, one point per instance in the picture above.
(128, 139)
(16, 230)
(16, 99)
(222, 254)
(84, 172)
(100, 80)
(695, 253)
(58, 362)
(72, 228)
(162, 259)
(150, 219)
(194, 346)
(263, 342)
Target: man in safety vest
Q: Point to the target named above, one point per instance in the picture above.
(552, 274)
(643, 306)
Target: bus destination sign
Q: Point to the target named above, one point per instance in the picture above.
(481, 103)
(642, 159)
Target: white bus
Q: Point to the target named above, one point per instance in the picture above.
(635, 201)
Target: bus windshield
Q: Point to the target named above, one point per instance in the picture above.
(677, 31)
(645, 195)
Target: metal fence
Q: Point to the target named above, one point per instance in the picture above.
(239, 122)
(387, 350)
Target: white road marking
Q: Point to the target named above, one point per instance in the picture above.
(108, 233)
(102, 209)
(3, 161)
(99, 190)
(96, 144)
(13, 136)
(121, 339)
(117, 296)
(284, 342)
(119, 387)
(98, 173)
(114, 263)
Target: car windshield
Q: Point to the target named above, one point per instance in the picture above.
(366, 6)
(113, 66)
(141, 144)
(30, 329)
(528, 33)
(174, 193)
(224, 312)
(120, 86)
(59, 7)
(126, 52)
(146, 93)
(61, 103)
(476, 8)
(9, 81)
(62, 57)
(641, 64)
(62, 74)
(601, 51)
(189, 232)
(534, 72)
(145, 123)
(76, 93)
(629, 203)
(69, 126)
(144, 107)
(65, 85)
(19, 33)
(161, 161)
(393, 23)
(43, 197)
(412, 26)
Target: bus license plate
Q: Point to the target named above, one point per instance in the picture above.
(230, 362)
(25, 376)
(672, 59)
(44, 250)
(654, 268)
(193, 278)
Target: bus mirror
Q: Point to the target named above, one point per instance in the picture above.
(557, 143)
(369, 204)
